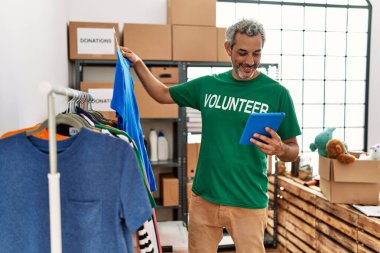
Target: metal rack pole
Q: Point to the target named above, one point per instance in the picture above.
(53, 175)
(54, 185)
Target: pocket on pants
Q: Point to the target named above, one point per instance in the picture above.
(83, 226)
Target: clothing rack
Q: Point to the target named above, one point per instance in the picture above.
(53, 175)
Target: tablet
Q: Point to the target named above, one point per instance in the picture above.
(257, 122)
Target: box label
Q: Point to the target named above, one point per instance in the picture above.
(102, 98)
(95, 41)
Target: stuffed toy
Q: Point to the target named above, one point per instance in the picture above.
(321, 141)
(336, 150)
(374, 152)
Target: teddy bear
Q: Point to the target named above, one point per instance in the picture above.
(321, 140)
(336, 150)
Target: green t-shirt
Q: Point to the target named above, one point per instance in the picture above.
(229, 173)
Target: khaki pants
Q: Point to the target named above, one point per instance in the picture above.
(206, 222)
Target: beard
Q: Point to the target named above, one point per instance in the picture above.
(246, 71)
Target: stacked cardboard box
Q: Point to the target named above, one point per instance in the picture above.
(150, 108)
(169, 189)
(149, 42)
(93, 40)
(189, 186)
(190, 35)
(192, 153)
(168, 75)
(192, 12)
(194, 43)
(222, 54)
(194, 31)
(102, 93)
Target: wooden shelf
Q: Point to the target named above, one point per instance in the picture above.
(165, 164)
(160, 206)
(308, 222)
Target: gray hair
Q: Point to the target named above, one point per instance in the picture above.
(248, 27)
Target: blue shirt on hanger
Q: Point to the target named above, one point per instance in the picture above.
(103, 195)
(124, 103)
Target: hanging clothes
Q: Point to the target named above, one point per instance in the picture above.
(124, 103)
(148, 234)
(44, 134)
(148, 237)
(124, 136)
(145, 242)
(101, 194)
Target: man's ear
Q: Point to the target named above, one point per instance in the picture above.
(228, 48)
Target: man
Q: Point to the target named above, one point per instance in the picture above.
(230, 185)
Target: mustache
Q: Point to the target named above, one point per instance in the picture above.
(245, 65)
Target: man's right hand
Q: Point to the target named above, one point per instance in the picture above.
(130, 55)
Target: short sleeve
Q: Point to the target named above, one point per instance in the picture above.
(289, 127)
(188, 94)
(135, 205)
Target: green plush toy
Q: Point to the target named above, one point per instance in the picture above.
(321, 141)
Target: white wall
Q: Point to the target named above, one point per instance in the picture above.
(374, 89)
(33, 48)
(121, 11)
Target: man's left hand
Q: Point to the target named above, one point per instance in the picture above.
(271, 145)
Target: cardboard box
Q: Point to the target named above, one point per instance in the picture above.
(102, 93)
(192, 154)
(92, 41)
(222, 54)
(150, 108)
(169, 189)
(355, 183)
(192, 12)
(168, 75)
(189, 187)
(194, 43)
(149, 41)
